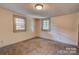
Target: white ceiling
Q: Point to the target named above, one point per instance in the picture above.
(49, 9)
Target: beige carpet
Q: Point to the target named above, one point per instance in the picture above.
(37, 47)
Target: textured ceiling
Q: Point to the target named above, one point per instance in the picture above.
(49, 9)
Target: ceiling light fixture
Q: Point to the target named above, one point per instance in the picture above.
(39, 6)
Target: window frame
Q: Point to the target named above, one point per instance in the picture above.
(49, 24)
(14, 23)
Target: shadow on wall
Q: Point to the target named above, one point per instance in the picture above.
(57, 34)
(61, 36)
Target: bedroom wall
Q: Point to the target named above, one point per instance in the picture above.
(78, 27)
(7, 36)
(63, 29)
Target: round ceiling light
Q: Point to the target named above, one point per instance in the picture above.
(39, 6)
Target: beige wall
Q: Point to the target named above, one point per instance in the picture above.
(63, 29)
(7, 36)
(78, 27)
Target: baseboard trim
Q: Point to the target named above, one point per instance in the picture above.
(58, 42)
(40, 38)
(18, 42)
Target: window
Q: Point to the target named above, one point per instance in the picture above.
(19, 23)
(46, 24)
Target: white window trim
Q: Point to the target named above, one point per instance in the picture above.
(14, 23)
(49, 24)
